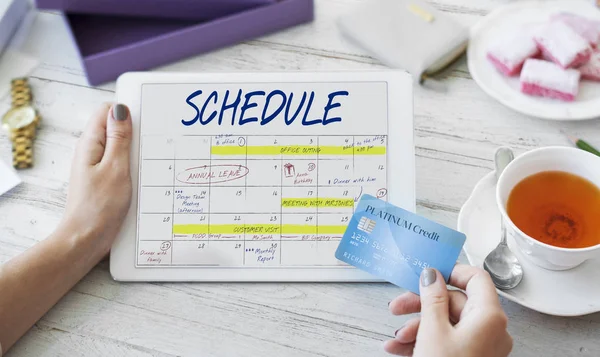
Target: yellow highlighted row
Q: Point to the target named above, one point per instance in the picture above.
(256, 229)
(317, 202)
(297, 150)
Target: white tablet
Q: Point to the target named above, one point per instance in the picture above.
(254, 176)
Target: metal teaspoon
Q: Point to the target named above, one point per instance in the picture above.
(502, 264)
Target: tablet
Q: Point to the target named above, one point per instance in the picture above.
(254, 176)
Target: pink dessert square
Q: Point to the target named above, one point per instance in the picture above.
(546, 79)
(585, 27)
(563, 45)
(591, 70)
(510, 52)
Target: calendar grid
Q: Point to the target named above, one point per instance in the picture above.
(281, 209)
(317, 208)
(353, 156)
(245, 194)
(318, 182)
(209, 196)
(173, 209)
(249, 159)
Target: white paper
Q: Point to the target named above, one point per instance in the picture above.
(276, 194)
(14, 65)
(8, 178)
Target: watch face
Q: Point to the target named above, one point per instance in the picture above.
(17, 118)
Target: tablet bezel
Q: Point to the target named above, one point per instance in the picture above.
(401, 173)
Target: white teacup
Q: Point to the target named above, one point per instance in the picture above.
(575, 161)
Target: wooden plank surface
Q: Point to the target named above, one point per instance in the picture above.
(456, 131)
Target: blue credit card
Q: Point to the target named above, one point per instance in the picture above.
(396, 245)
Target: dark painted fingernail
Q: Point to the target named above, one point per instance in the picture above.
(389, 302)
(120, 112)
(398, 330)
(428, 277)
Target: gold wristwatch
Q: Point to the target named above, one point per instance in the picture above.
(21, 122)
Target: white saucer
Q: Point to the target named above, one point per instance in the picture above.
(506, 89)
(562, 293)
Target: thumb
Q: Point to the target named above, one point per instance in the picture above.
(118, 135)
(435, 299)
(92, 143)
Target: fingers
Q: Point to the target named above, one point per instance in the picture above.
(458, 300)
(107, 137)
(435, 301)
(409, 303)
(91, 144)
(476, 283)
(461, 274)
(397, 348)
(118, 136)
(408, 332)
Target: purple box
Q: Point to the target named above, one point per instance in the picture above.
(111, 45)
(178, 9)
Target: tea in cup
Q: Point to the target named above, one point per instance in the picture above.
(550, 201)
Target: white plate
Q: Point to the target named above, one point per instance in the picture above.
(505, 89)
(562, 293)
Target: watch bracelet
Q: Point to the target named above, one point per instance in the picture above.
(22, 148)
(22, 139)
(20, 92)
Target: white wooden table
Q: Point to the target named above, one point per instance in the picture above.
(456, 135)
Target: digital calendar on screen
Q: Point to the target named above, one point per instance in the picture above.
(256, 174)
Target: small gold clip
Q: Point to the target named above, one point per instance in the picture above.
(415, 9)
